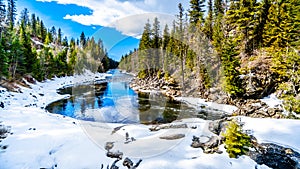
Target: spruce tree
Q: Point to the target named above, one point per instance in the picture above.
(196, 12)
(208, 25)
(230, 64)
(282, 27)
(11, 13)
(42, 31)
(144, 50)
(156, 43)
(2, 17)
(236, 142)
(82, 40)
(33, 25)
(25, 42)
(3, 61)
(59, 36)
(25, 17)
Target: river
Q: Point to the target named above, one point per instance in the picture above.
(114, 101)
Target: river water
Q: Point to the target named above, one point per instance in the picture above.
(114, 101)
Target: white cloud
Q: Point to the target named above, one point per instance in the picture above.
(128, 17)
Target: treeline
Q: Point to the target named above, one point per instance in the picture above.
(219, 47)
(28, 47)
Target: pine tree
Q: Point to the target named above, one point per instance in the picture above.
(144, 50)
(82, 40)
(53, 33)
(156, 43)
(165, 42)
(180, 44)
(208, 25)
(42, 31)
(33, 25)
(218, 7)
(236, 142)
(11, 13)
(282, 27)
(2, 17)
(196, 13)
(65, 42)
(59, 36)
(218, 34)
(25, 42)
(24, 16)
(230, 63)
(3, 61)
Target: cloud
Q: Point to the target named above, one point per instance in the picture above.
(127, 17)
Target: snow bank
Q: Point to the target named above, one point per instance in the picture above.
(272, 101)
(198, 103)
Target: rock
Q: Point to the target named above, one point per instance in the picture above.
(167, 126)
(2, 105)
(117, 154)
(172, 137)
(129, 164)
(275, 156)
(109, 146)
(211, 146)
(218, 126)
(257, 109)
(30, 79)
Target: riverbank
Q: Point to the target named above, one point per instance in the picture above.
(267, 107)
(39, 139)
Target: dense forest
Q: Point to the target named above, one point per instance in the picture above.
(247, 48)
(27, 47)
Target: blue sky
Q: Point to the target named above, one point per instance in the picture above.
(119, 23)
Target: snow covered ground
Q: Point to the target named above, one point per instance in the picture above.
(44, 140)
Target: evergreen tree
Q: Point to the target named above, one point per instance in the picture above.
(2, 17)
(236, 142)
(144, 50)
(3, 61)
(25, 42)
(282, 27)
(25, 17)
(180, 44)
(42, 31)
(196, 13)
(230, 63)
(53, 33)
(165, 42)
(208, 25)
(11, 13)
(218, 34)
(59, 36)
(33, 25)
(218, 7)
(65, 42)
(82, 40)
(156, 43)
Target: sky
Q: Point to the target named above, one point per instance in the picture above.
(119, 23)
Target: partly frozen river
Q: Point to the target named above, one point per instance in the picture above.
(114, 101)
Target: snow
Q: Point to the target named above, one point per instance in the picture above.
(44, 140)
(198, 103)
(278, 131)
(272, 101)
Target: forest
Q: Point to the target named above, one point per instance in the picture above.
(27, 47)
(247, 48)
